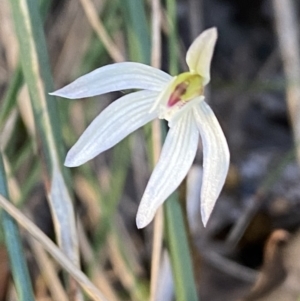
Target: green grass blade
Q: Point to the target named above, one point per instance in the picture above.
(36, 70)
(185, 288)
(37, 74)
(172, 37)
(17, 80)
(14, 246)
(10, 97)
(137, 30)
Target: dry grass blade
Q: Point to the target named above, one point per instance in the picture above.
(99, 28)
(46, 268)
(121, 268)
(49, 274)
(97, 274)
(7, 38)
(288, 35)
(55, 252)
(26, 111)
(156, 34)
(229, 267)
(156, 140)
(156, 253)
(243, 221)
(75, 28)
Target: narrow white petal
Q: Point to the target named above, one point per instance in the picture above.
(115, 77)
(200, 53)
(177, 156)
(118, 120)
(215, 158)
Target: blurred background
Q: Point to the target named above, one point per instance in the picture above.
(251, 245)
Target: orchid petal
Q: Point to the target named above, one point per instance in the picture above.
(115, 77)
(215, 157)
(118, 120)
(200, 53)
(177, 156)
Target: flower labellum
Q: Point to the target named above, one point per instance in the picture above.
(180, 101)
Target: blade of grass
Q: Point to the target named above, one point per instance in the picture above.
(24, 153)
(48, 272)
(26, 114)
(95, 270)
(156, 141)
(17, 80)
(14, 246)
(137, 30)
(96, 54)
(12, 184)
(46, 268)
(286, 22)
(30, 182)
(134, 285)
(8, 130)
(185, 288)
(96, 23)
(54, 251)
(173, 44)
(37, 74)
(10, 98)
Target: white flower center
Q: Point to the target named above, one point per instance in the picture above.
(182, 89)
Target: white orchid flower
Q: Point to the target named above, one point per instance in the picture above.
(180, 101)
